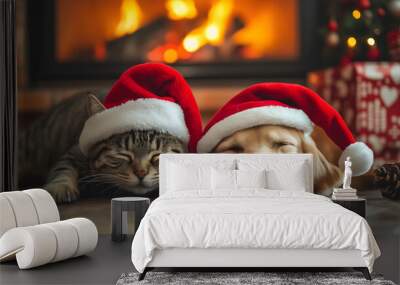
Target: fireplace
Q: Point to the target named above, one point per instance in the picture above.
(98, 39)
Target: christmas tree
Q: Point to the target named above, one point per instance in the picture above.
(362, 30)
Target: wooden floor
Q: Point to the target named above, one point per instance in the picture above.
(96, 209)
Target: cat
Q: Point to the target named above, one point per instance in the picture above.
(122, 163)
(43, 141)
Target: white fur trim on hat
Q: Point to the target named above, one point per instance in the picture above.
(268, 115)
(140, 114)
(361, 157)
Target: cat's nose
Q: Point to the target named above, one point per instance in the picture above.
(141, 173)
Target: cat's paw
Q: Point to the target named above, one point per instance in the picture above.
(62, 192)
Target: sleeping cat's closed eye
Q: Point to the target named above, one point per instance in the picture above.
(116, 162)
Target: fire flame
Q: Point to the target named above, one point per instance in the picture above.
(130, 20)
(181, 9)
(170, 55)
(213, 31)
(256, 36)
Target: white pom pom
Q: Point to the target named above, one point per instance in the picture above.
(361, 157)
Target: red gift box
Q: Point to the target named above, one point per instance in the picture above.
(393, 42)
(367, 95)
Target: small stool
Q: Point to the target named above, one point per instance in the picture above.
(119, 214)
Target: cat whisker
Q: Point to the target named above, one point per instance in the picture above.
(94, 180)
(95, 177)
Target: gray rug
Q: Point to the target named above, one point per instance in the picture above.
(243, 278)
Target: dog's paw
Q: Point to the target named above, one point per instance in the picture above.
(62, 192)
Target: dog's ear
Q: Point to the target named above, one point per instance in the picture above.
(326, 174)
(325, 145)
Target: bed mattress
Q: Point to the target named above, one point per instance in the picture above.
(250, 219)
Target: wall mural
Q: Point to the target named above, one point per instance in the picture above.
(109, 145)
(89, 162)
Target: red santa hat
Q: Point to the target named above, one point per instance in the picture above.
(289, 105)
(148, 96)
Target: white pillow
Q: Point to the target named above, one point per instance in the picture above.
(285, 174)
(295, 180)
(223, 179)
(251, 178)
(227, 179)
(182, 177)
(201, 161)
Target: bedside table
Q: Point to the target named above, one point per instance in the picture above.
(358, 206)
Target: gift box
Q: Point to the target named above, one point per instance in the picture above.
(393, 42)
(367, 95)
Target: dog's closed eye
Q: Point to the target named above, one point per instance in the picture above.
(281, 143)
(232, 149)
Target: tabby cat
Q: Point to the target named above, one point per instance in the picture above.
(126, 162)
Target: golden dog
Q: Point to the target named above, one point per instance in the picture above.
(280, 139)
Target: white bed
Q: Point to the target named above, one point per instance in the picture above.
(248, 227)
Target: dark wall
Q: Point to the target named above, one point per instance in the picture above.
(7, 96)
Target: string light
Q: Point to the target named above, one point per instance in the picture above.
(351, 42)
(371, 41)
(356, 14)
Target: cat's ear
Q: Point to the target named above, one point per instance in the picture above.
(94, 106)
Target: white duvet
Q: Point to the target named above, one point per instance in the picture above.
(250, 219)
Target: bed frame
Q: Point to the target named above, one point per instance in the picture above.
(240, 259)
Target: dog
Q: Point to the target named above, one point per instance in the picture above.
(282, 139)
